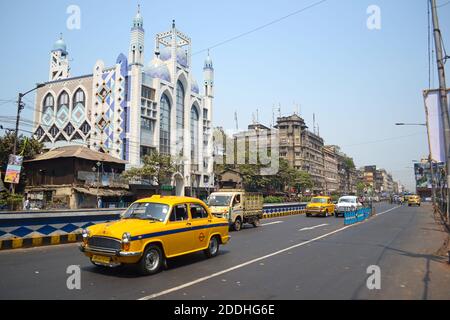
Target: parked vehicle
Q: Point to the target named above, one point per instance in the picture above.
(320, 206)
(347, 203)
(237, 206)
(413, 201)
(154, 229)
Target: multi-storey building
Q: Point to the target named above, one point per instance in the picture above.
(313, 159)
(131, 108)
(331, 174)
(290, 131)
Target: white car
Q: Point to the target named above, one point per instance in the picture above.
(347, 203)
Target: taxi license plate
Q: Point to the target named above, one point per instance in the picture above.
(101, 259)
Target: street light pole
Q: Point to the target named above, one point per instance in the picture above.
(443, 96)
(20, 107)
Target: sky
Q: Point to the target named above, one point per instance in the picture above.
(323, 61)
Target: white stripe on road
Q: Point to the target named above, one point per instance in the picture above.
(379, 214)
(314, 227)
(188, 284)
(269, 223)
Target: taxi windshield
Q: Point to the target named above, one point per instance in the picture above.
(319, 200)
(147, 211)
(219, 200)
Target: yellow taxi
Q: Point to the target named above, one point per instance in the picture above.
(414, 201)
(154, 229)
(322, 206)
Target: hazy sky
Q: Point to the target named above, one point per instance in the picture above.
(357, 81)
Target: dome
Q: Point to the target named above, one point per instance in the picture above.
(60, 45)
(158, 70)
(194, 86)
(166, 54)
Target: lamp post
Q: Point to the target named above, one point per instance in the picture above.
(97, 168)
(430, 160)
(20, 107)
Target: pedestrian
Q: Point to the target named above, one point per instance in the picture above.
(27, 204)
(99, 202)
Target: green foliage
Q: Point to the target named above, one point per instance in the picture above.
(27, 147)
(273, 199)
(156, 166)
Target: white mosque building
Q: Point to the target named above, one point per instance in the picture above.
(133, 108)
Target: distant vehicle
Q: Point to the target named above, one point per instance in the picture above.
(237, 206)
(413, 201)
(347, 203)
(152, 230)
(320, 206)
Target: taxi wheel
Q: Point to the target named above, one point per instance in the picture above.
(237, 225)
(213, 248)
(152, 260)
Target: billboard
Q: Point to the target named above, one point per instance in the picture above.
(12, 174)
(435, 125)
(422, 172)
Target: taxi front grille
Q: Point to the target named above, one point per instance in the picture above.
(102, 242)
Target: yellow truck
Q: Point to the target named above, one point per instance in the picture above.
(237, 206)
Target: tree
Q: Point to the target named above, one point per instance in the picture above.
(156, 167)
(304, 181)
(27, 147)
(360, 186)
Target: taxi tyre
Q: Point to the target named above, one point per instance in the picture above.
(308, 215)
(213, 248)
(142, 265)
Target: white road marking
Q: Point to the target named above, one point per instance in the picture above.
(269, 223)
(379, 214)
(199, 280)
(314, 227)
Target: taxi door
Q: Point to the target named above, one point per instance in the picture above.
(200, 225)
(179, 238)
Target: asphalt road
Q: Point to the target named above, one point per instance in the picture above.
(292, 257)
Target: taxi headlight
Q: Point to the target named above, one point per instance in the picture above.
(126, 241)
(85, 233)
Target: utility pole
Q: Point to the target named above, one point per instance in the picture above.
(20, 107)
(443, 96)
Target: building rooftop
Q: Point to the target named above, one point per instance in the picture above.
(77, 152)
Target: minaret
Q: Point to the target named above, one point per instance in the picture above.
(59, 61)
(136, 54)
(208, 73)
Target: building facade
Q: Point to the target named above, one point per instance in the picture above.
(330, 165)
(131, 108)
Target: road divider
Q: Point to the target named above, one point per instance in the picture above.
(352, 217)
(32, 229)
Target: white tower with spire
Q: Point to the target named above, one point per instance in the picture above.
(208, 74)
(59, 61)
(136, 54)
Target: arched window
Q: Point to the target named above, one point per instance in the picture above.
(48, 110)
(63, 100)
(49, 102)
(79, 98)
(62, 114)
(180, 117)
(194, 135)
(78, 107)
(164, 126)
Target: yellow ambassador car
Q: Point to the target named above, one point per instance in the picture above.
(414, 201)
(154, 229)
(322, 206)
